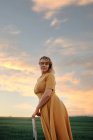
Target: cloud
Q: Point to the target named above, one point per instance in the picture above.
(54, 41)
(16, 65)
(68, 77)
(43, 5)
(80, 102)
(50, 14)
(55, 23)
(17, 73)
(76, 100)
(10, 29)
(46, 5)
(84, 2)
(68, 47)
(11, 58)
(76, 81)
(24, 106)
(60, 45)
(67, 82)
(21, 83)
(86, 80)
(50, 9)
(84, 61)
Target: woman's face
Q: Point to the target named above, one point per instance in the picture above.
(44, 65)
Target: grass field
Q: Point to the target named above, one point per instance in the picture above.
(20, 128)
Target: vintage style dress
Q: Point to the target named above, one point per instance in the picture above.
(54, 116)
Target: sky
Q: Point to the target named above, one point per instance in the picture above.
(61, 30)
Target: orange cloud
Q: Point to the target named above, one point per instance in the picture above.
(51, 5)
(81, 101)
(17, 65)
(68, 77)
(11, 58)
(77, 101)
(42, 5)
(24, 106)
(18, 83)
(17, 74)
(85, 2)
(50, 8)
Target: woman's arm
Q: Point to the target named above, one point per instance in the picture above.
(44, 99)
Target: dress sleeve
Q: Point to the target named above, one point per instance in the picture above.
(50, 82)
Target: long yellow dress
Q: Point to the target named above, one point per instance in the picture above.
(54, 116)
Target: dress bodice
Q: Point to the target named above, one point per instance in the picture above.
(45, 81)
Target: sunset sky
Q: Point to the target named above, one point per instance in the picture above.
(61, 30)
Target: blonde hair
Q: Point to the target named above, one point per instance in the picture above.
(50, 64)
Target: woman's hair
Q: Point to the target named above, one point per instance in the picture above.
(50, 63)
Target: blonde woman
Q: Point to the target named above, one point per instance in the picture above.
(52, 111)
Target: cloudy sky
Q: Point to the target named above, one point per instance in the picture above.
(61, 30)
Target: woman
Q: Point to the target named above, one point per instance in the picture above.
(52, 111)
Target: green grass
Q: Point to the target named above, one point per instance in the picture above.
(20, 128)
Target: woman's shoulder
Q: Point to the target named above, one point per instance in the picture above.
(50, 77)
(50, 74)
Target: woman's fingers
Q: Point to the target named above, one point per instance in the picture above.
(38, 114)
(33, 116)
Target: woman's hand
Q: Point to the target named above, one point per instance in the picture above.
(37, 112)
